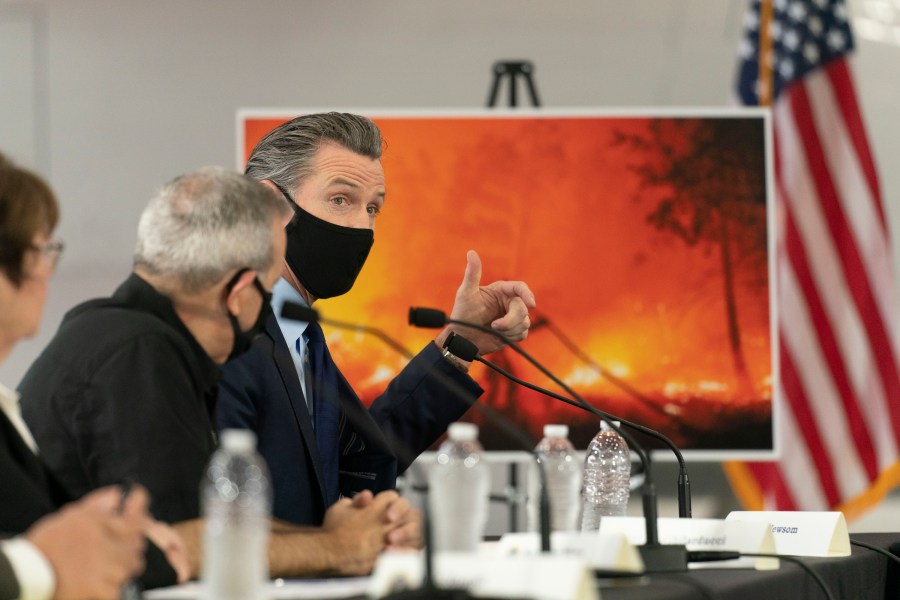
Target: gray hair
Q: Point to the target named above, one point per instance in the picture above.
(202, 225)
(284, 156)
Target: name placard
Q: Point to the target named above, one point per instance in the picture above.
(549, 576)
(704, 534)
(803, 533)
(611, 552)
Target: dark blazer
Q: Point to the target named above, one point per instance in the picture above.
(261, 391)
(9, 585)
(26, 495)
(30, 491)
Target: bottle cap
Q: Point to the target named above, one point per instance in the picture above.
(556, 431)
(463, 432)
(237, 440)
(604, 426)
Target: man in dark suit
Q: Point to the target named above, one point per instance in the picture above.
(318, 439)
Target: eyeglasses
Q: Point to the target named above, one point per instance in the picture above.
(50, 251)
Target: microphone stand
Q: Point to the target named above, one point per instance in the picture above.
(684, 486)
(657, 557)
(433, 318)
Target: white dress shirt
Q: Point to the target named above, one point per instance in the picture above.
(293, 332)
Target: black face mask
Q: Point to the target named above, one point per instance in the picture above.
(326, 258)
(244, 339)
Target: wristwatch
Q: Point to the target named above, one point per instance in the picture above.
(456, 361)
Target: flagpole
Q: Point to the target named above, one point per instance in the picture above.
(766, 57)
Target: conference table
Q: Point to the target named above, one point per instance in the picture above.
(864, 575)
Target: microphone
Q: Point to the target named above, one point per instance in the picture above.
(657, 557)
(299, 312)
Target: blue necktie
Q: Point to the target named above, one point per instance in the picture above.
(302, 346)
(326, 408)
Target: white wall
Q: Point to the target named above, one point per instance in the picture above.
(129, 93)
(126, 94)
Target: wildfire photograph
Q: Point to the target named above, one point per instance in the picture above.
(644, 239)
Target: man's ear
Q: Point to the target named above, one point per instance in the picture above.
(233, 296)
(268, 183)
(288, 212)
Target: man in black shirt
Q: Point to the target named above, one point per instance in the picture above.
(127, 387)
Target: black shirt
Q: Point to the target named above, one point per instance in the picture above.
(124, 391)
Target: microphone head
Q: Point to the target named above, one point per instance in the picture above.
(298, 312)
(460, 347)
(431, 318)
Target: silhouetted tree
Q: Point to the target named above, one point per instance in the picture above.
(709, 179)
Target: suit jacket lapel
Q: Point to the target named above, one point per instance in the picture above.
(20, 451)
(368, 460)
(373, 440)
(288, 372)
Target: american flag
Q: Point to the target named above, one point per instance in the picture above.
(838, 308)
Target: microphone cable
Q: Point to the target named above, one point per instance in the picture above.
(723, 555)
(889, 555)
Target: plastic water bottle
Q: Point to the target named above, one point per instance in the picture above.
(237, 505)
(607, 470)
(458, 490)
(563, 472)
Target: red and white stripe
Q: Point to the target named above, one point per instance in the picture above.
(839, 313)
